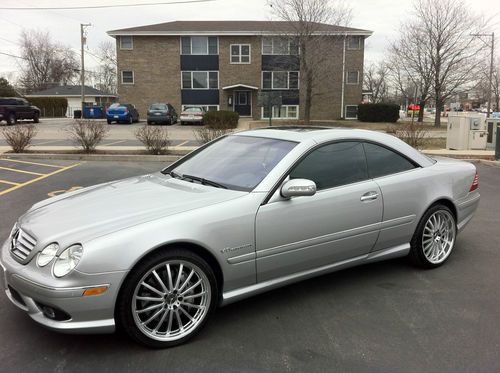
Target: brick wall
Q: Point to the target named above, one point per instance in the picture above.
(155, 62)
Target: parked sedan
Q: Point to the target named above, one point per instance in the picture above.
(122, 113)
(193, 114)
(162, 113)
(246, 213)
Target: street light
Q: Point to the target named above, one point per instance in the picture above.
(492, 35)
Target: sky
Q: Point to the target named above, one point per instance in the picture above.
(383, 17)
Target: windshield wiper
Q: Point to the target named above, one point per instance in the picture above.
(175, 175)
(204, 181)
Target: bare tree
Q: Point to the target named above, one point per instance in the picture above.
(410, 64)
(45, 61)
(376, 80)
(446, 27)
(304, 21)
(105, 74)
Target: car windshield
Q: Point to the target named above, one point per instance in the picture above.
(234, 162)
(193, 110)
(158, 107)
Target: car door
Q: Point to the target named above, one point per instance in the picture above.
(403, 186)
(339, 222)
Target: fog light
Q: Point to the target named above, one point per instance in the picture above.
(49, 312)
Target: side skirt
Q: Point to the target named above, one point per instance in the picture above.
(248, 291)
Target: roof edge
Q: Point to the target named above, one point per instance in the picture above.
(231, 33)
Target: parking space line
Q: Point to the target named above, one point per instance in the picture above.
(115, 142)
(21, 171)
(38, 179)
(45, 142)
(8, 182)
(182, 143)
(35, 163)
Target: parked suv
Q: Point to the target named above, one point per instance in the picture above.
(162, 113)
(13, 108)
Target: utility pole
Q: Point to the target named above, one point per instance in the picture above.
(490, 90)
(83, 40)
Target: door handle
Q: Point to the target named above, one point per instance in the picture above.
(369, 196)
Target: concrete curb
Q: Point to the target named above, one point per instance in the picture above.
(95, 157)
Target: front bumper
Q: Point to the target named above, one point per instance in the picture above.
(81, 314)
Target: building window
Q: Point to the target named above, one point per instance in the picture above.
(281, 112)
(205, 107)
(240, 53)
(199, 45)
(280, 80)
(200, 80)
(127, 77)
(353, 77)
(126, 42)
(354, 42)
(279, 46)
(351, 112)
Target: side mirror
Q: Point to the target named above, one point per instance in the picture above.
(298, 188)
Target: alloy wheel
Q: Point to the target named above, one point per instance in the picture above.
(171, 300)
(438, 236)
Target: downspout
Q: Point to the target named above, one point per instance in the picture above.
(343, 78)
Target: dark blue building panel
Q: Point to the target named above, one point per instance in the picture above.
(200, 96)
(199, 62)
(280, 63)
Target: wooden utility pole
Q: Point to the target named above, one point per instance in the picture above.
(83, 40)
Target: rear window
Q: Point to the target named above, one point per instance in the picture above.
(116, 105)
(193, 110)
(158, 107)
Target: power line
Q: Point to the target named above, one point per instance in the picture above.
(106, 6)
(10, 41)
(11, 55)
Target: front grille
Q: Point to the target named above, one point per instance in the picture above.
(22, 244)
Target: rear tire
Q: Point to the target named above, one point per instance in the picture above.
(11, 119)
(434, 238)
(184, 297)
(109, 121)
(36, 118)
(130, 120)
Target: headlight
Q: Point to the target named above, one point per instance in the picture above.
(47, 254)
(67, 260)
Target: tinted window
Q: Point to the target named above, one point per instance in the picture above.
(333, 165)
(382, 161)
(158, 107)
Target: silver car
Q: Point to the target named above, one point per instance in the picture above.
(246, 213)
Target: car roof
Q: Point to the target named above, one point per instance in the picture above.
(318, 135)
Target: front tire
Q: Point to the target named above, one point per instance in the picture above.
(130, 120)
(36, 118)
(434, 238)
(167, 298)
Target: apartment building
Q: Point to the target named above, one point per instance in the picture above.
(224, 65)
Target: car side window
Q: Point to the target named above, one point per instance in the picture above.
(333, 165)
(382, 161)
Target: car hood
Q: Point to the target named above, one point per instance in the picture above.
(102, 209)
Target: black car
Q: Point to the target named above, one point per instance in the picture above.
(13, 109)
(162, 113)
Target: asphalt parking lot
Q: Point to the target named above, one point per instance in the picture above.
(382, 317)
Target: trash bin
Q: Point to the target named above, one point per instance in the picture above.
(92, 112)
(77, 114)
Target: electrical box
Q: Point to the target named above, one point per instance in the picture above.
(466, 131)
(491, 127)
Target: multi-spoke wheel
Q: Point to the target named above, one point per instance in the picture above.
(167, 299)
(434, 238)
